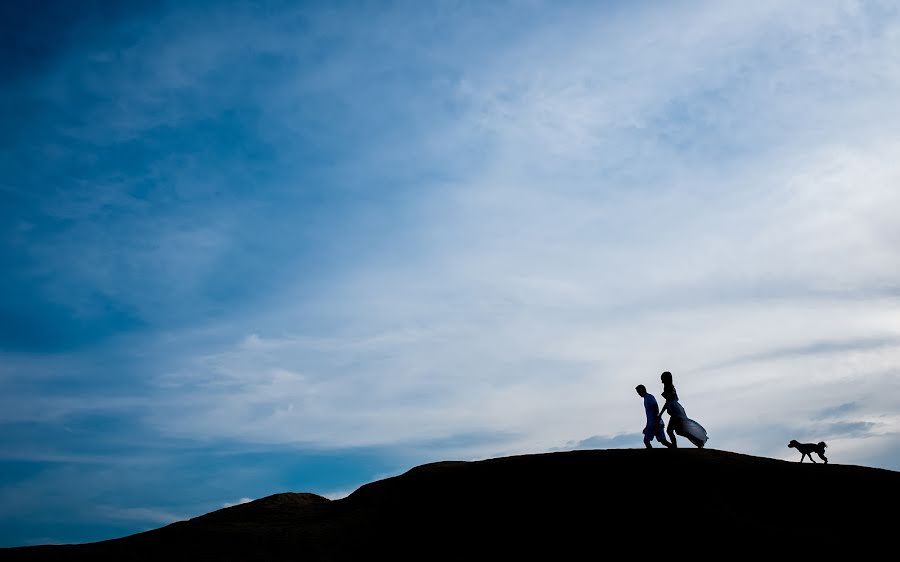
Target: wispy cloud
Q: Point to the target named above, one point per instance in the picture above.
(838, 411)
(814, 348)
(143, 514)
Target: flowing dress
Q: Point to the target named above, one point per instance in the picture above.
(685, 426)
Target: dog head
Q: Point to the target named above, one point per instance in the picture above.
(793, 444)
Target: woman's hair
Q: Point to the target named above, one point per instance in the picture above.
(669, 392)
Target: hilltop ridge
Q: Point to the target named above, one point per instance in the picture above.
(551, 504)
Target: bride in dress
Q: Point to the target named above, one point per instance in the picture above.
(678, 421)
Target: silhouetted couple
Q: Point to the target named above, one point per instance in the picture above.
(679, 423)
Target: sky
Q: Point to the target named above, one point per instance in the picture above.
(261, 247)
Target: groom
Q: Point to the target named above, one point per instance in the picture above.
(655, 426)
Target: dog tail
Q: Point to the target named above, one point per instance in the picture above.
(822, 445)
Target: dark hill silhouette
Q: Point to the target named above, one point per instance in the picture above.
(697, 503)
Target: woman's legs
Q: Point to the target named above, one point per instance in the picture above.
(671, 431)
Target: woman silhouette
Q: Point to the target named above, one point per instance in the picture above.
(678, 421)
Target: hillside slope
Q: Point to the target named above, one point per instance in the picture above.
(553, 505)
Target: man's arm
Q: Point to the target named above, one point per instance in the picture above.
(666, 405)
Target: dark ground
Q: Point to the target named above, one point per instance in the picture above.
(598, 504)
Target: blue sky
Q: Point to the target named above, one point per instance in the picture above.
(257, 247)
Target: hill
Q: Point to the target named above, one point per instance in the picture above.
(701, 503)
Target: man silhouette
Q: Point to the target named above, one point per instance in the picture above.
(655, 426)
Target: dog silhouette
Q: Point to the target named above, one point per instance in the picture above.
(807, 449)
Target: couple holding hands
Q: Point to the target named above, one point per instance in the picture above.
(679, 423)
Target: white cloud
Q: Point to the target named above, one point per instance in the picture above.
(339, 494)
(239, 502)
